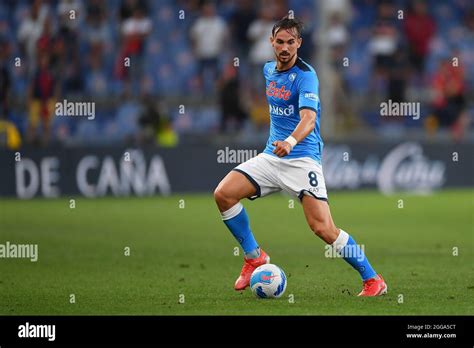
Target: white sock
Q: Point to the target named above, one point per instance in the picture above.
(341, 241)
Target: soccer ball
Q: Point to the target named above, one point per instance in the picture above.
(268, 281)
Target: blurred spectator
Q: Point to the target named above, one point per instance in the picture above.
(469, 25)
(9, 136)
(97, 32)
(385, 39)
(466, 48)
(52, 46)
(69, 12)
(397, 77)
(232, 114)
(449, 99)
(67, 45)
(243, 16)
(42, 95)
(73, 81)
(127, 8)
(259, 111)
(149, 121)
(337, 38)
(82, 42)
(63, 57)
(343, 9)
(5, 80)
(124, 127)
(208, 35)
(98, 36)
(30, 30)
(419, 28)
(95, 79)
(156, 127)
(307, 51)
(261, 50)
(134, 32)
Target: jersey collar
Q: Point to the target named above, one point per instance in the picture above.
(286, 70)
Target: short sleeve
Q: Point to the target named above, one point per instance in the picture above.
(309, 92)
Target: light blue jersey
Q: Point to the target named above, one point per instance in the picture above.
(288, 92)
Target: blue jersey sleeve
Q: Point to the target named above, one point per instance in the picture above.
(309, 92)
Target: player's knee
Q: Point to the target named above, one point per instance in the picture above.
(223, 199)
(219, 195)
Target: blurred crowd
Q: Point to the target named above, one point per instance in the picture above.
(158, 70)
(402, 51)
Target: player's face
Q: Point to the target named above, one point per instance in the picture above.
(285, 45)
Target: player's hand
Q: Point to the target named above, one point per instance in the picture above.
(282, 148)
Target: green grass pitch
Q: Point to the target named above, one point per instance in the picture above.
(186, 253)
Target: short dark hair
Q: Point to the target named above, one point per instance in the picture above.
(288, 23)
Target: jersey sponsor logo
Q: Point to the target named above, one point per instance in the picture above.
(281, 111)
(311, 96)
(279, 93)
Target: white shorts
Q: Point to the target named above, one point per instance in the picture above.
(297, 176)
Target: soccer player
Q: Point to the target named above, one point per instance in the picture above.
(291, 162)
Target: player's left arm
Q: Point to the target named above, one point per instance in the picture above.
(302, 130)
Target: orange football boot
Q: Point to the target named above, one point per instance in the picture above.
(374, 287)
(249, 266)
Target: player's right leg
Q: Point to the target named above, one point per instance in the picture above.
(235, 186)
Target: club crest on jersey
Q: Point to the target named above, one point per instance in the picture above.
(292, 77)
(279, 93)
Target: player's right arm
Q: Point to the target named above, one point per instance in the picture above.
(302, 130)
(308, 105)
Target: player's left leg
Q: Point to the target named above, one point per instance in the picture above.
(304, 178)
(321, 223)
